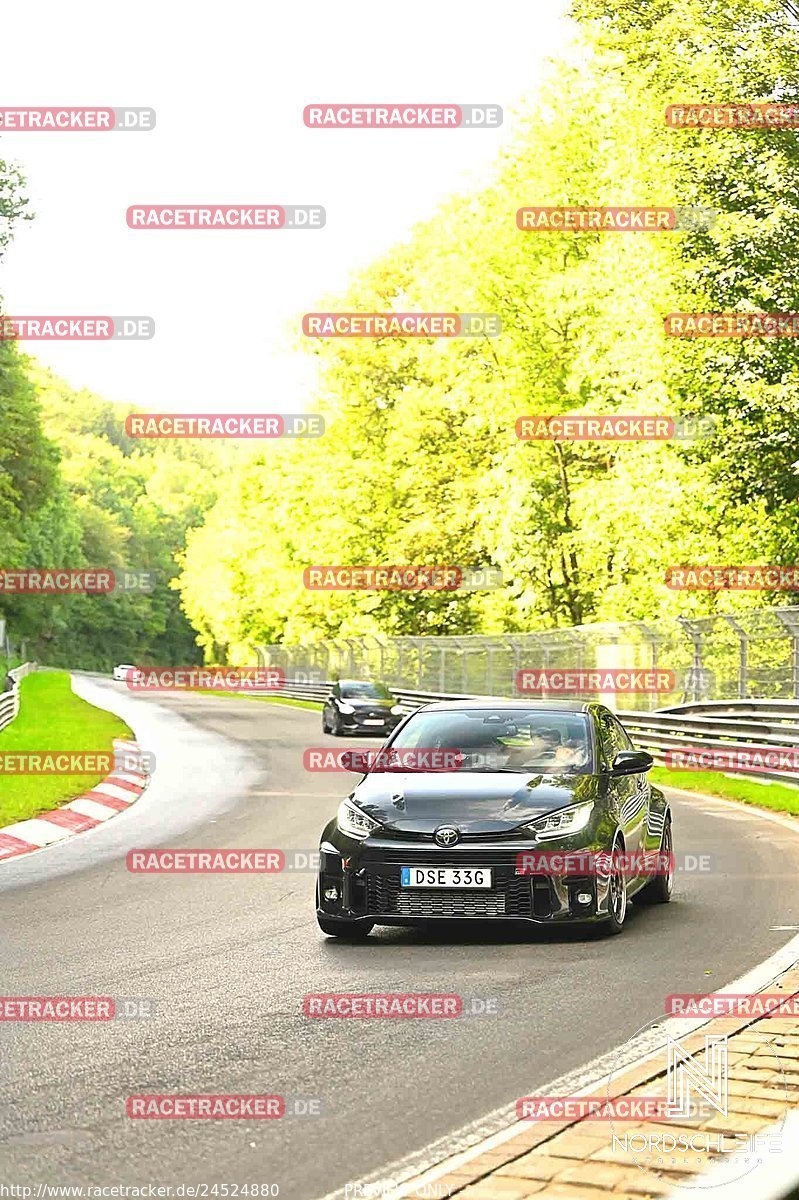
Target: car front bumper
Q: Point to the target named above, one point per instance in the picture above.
(365, 877)
(353, 723)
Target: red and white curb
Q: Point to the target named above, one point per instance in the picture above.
(115, 794)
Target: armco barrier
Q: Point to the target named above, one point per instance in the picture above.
(711, 725)
(9, 701)
(775, 712)
(660, 732)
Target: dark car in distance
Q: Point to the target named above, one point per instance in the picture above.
(358, 706)
(533, 811)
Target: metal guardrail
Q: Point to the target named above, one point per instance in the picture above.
(773, 711)
(662, 732)
(709, 726)
(409, 700)
(9, 701)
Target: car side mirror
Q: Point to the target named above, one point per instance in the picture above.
(631, 762)
(360, 762)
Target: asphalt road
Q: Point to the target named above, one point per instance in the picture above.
(227, 960)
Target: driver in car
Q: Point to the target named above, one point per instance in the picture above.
(539, 752)
(571, 753)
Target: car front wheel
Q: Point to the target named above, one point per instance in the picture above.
(617, 892)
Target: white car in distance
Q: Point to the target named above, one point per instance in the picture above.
(127, 670)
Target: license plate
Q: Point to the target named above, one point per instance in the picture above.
(446, 877)
(379, 721)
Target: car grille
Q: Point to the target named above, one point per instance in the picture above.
(456, 904)
(511, 895)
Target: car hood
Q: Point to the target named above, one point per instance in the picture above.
(481, 802)
(366, 702)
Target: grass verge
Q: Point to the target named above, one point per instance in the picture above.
(52, 717)
(746, 791)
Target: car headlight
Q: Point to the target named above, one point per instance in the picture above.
(563, 823)
(346, 708)
(353, 821)
(396, 709)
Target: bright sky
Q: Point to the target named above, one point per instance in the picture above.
(229, 83)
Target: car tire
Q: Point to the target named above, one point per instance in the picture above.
(617, 895)
(335, 728)
(350, 931)
(659, 890)
(325, 727)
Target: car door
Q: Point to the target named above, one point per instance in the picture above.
(629, 792)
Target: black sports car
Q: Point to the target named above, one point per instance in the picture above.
(357, 706)
(514, 810)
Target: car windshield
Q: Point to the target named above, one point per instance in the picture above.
(519, 740)
(364, 691)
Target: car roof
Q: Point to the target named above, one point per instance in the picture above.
(573, 706)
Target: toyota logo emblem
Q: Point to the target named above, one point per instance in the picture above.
(447, 835)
